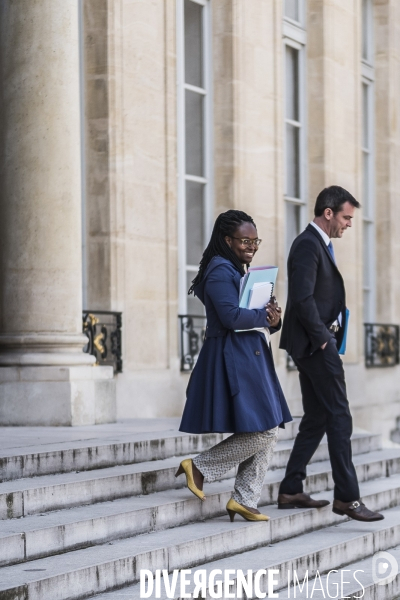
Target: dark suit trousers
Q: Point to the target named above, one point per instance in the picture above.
(326, 410)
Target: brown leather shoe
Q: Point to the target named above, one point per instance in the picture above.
(300, 501)
(356, 510)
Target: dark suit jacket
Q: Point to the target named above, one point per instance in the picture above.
(316, 296)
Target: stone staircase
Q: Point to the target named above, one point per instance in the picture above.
(83, 519)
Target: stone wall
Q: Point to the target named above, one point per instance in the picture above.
(132, 167)
(143, 203)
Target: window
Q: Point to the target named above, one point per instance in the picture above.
(194, 143)
(367, 31)
(295, 133)
(294, 10)
(368, 163)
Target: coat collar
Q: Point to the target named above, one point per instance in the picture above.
(325, 247)
(220, 260)
(214, 262)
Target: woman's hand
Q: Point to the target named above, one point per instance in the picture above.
(274, 312)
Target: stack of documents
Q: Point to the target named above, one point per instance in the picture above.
(257, 285)
(260, 294)
(256, 288)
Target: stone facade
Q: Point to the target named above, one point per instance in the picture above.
(130, 163)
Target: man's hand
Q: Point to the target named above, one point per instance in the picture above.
(274, 312)
(323, 346)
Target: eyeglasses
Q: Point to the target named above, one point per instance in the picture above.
(247, 242)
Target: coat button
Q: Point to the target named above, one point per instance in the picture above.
(257, 353)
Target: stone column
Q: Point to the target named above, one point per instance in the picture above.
(45, 378)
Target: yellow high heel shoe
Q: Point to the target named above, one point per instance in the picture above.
(186, 467)
(235, 508)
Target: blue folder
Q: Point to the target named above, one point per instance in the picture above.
(342, 349)
(256, 275)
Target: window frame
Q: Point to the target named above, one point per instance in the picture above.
(369, 204)
(208, 179)
(295, 36)
(302, 12)
(368, 191)
(367, 35)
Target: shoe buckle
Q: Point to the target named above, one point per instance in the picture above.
(355, 505)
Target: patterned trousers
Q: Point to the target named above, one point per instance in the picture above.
(251, 451)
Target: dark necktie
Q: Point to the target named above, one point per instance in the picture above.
(331, 252)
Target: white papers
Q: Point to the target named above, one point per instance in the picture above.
(255, 275)
(260, 294)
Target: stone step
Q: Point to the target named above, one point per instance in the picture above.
(103, 568)
(40, 535)
(54, 492)
(66, 458)
(337, 547)
(120, 449)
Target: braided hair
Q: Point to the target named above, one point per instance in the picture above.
(225, 225)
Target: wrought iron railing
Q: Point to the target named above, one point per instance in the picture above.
(381, 345)
(192, 332)
(103, 329)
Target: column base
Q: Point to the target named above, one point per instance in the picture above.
(57, 395)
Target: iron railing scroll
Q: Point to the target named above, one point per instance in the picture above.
(381, 345)
(103, 329)
(192, 333)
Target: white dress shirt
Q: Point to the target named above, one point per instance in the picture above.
(322, 233)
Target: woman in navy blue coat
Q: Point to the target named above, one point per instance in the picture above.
(233, 387)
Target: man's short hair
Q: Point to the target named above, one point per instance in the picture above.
(333, 197)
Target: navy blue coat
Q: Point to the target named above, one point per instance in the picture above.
(233, 387)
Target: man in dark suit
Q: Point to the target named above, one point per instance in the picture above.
(312, 333)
